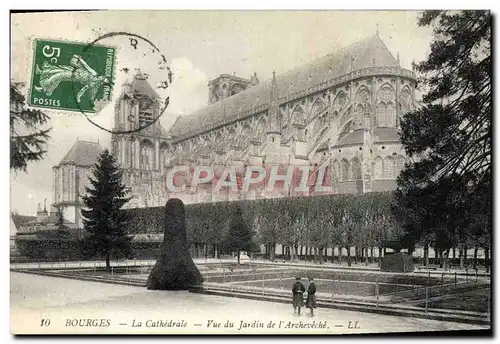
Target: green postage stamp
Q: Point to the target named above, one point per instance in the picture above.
(71, 76)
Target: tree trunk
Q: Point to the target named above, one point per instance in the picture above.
(108, 265)
(272, 251)
(238, 265)
(348, 256)
(380, 250)
(440, 257)
(466, 263)
(454, 254)
(487, 260)
(366, 256)
(426, 255)
(446, 256)
(385, 251)
(475, 257)
(436, 255)
(461, 256)
(372, 254)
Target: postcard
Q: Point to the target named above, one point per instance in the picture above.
(250, 172)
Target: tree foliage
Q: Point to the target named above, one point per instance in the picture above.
(27, 139)
(105, 224)
(318, 222)
(240, 235)
(449, 137)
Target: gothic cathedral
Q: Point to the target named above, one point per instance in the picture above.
(341, 112)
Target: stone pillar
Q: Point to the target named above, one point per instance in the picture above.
(398, 83)
(125, 108)
(366, 162)
(122, 152)
(137, 153)
(72, 183)
(61, 181)
(54, 187)
(374, 103)
(157, 154)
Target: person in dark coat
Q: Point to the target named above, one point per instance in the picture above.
(298, 290)
(311, 296)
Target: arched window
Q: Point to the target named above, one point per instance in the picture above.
(389, 168)
(381, 115)
(356, 169)
(359, 116)
(147, 155)
(378, 168)
(344, 170)
(391, 115)
(368, 120)
(131, 154)
(317, 107)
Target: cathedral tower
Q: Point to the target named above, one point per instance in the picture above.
(142, 152)
(228, 85)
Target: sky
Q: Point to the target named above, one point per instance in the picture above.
(198, 46)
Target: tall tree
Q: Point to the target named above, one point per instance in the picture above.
(240, 235)
(103, 220)
(449, 136)
(27, 139)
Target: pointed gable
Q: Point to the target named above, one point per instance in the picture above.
(366, 53)
(82, 153)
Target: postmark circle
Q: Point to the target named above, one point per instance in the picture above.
(149, 103)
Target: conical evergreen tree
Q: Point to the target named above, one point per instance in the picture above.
(103, 221)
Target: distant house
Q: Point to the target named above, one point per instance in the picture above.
(44, 222)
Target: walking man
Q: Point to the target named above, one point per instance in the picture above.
(311, 296)
(298, 290)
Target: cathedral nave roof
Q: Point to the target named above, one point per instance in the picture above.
(363, 54)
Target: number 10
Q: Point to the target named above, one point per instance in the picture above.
(45, 322)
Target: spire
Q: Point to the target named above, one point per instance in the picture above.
(273, 112)
(377, 32)
(45, 205)
(38, 208)
(399, 63)
(274, 89)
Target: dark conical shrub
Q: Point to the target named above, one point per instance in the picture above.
(174, 268)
